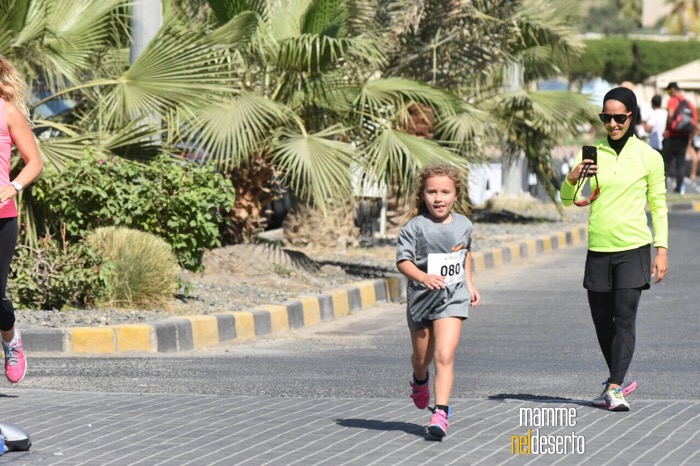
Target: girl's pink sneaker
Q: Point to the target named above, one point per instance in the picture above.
(421, 392)
(438, 424)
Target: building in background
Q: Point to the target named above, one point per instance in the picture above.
(653, 11)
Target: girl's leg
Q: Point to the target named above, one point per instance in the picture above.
(422, 356)
(626, 304)
(447, 332)
(603, 311)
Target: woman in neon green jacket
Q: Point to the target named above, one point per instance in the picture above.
(627, 175)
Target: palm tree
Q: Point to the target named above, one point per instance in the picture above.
(75, 55)
(288, 87)
(310, 106)
(306, 93)
(473, 48)
(684, 17)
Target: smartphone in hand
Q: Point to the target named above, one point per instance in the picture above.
(590, 152)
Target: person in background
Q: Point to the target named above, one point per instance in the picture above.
(676, 142)
(628, 175)
(655, 125)
(15, 129)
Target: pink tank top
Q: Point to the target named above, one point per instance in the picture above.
(7, 208)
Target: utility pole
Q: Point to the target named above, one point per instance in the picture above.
(146, 20)
(512, 163)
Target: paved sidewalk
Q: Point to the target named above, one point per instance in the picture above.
(131, 429)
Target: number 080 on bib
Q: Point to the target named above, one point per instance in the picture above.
(450, 266)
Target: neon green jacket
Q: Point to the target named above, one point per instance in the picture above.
(618, 220)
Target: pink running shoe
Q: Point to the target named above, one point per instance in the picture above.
(15, 362)
(628, 388)
(421, 392)
(438, 424)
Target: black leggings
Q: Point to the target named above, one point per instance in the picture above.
(8, 242)
(614, 316)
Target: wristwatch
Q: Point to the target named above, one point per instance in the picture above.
(17, 185)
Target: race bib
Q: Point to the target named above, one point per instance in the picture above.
(450, 266)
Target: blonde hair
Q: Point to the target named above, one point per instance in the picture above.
(456, 175)
(13, 88)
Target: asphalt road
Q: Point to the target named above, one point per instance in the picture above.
(531, 338)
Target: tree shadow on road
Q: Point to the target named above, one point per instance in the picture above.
(538, 398)
(373, 424)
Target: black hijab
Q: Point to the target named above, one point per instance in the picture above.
(627, 97)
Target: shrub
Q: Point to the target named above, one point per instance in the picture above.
(55, 275)
(617, 59)
(184, 203)
(143, 272)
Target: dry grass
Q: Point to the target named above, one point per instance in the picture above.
(144, 270)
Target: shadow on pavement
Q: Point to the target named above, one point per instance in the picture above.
(373, 424)
(538, 398)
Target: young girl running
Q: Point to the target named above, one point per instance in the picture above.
(434, 252)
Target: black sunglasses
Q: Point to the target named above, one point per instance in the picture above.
(619, 118)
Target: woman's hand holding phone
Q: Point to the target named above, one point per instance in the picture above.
(588, 165)
(590, 158)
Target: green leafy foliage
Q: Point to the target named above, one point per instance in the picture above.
(144, 272)
(618, 59)
(181, 202)
(608, 19)
(56, 275)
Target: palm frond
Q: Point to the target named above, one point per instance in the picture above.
(226, 10)
(543, 23)
(316, 166)
(179, 67)
(468, 131)
(230, 132)
(379, 94)
(62, 39)
(395, 158)
(59, 152)
(12, 20)
(78, 31)
(140, 140)
(326, 18)
(311, 53)
(35, 24)
(237, 31)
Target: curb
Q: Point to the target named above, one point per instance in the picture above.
(189, 332)
(693, 206)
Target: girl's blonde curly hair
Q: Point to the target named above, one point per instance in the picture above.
(13, 88)
(456, 175)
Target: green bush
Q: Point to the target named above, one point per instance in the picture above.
(143, 272)
(184, 203)
(617, 59)
(55, 276)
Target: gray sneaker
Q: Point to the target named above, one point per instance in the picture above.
(615, 400)
(627, 388)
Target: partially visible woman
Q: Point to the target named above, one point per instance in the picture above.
(629, 174)
(14, 129)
